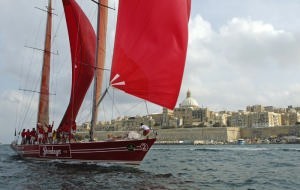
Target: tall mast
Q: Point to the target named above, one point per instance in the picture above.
(99, 62)
(43, 112)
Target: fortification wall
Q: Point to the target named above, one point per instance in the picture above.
(220, 134)
(217, 134)
(270, 131)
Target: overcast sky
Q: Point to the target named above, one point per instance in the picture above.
(240, 53)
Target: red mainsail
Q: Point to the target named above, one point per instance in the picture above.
(150, 49)
(82, 39)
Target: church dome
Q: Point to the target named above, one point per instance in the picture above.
(189, 102)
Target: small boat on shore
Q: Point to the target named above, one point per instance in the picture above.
(241, 141)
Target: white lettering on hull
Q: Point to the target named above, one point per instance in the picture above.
(51, 152)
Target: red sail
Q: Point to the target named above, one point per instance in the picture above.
(82, 39)
(150, 49)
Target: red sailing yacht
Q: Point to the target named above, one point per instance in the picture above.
(148, 62)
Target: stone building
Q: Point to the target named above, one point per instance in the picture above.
(264, 119)
(290, 118)
(255, 119)
(191, 114)
(120, 124)
(274, 109)
(239, 119)
(169, 120)
(220, 119)
(255, 108)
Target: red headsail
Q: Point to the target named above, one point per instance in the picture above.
(150, 49)
(82, 39)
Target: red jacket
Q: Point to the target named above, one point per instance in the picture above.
(33, 134)
(41, 130)
(23, 134)
(27, 134)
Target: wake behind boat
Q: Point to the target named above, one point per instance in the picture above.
(148, 63)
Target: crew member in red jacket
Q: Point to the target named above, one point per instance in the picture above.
(50, 137)
(33, 136)
(40, 133)
(27, 136)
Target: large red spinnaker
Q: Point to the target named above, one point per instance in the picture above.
(150, 49)
(82, 39)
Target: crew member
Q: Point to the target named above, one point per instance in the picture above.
(33, 136)
(27, 136)
(23, 134)
(145, 128)
(50, 134)
(40, 133)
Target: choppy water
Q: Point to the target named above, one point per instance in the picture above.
(165, 167)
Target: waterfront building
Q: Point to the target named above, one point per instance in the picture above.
(121, 124)
(156, 119)
(169, 120)
(264, 119)
(290, 107)
(189, 102)
(218, 119)
(255, 108)
(192, 123)
(239, 119)
(258, 119)
(290, 118)
(191, 114)
(84, 127)
(274, 109)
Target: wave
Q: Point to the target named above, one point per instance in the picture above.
(291, 149)
(212, 149)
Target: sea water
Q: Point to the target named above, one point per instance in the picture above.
(164, 167)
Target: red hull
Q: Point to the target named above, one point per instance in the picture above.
(121, 151)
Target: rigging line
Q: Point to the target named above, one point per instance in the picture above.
(113, 104)
(26, 90)
(56, 31)
(146, 107)
(43, 50)
(95, 67)
(92, 14)
(46, 10)
(137, 104)
(104, 112)
(102, 97)
(22, 109)
(55, 67)
(33, 55)
(26, 111)
(65, 56)
(83, 115)
(113, 8)
(27, 103)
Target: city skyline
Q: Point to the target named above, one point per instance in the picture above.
(239, 54)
